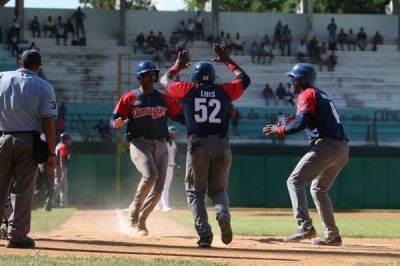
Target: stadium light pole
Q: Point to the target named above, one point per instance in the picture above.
(398, 23)
(215, 18)
(122, 22)
(19, 7)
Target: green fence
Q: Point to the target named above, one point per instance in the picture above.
(258, 177)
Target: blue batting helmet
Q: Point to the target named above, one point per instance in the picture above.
(65, 135)
(303, 74)
(144, 67)
(203, 73)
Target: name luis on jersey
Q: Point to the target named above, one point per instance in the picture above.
(207, 94)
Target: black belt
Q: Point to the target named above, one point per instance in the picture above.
(14, 132)
(150, 138)
(222, 136)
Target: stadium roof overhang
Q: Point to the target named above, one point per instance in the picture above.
(3, 2)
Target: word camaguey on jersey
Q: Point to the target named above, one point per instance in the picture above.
(154, 112)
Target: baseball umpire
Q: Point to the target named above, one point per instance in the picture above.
(207, 107)
(145, 111)
(28, 107)
(318, 116)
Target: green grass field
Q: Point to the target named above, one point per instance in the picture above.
(43, 260)
(46, 221)
(251, 225)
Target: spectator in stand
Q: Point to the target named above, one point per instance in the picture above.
(221, 39)
(168, 56)
(182, 30)
(302, 51)
(151, 43)
(238, 45)
(190, 31)
(332, 31)
(268, 94)
(17, 24)
(323, 56)
(161, 42)
(351, 40)
(377, 39)
(254, 51)
(362, 39)
(235, 120)
(286, 40)
(12, 41)
(289, 94)
(50, 26)
(69, 27)
(265, 39)
(61, 31)
(278, 35)
(157, 56)
(79, 17)
(342, 38)
(265, 50)
(33, 47)
(104, 130)
(314, 50)
(199, 25)
(280, 94)
(228, 43)
(35, 27)
(173, 42)
(139, 42)
(332, 61)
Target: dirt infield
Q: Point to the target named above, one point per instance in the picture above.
(106, 233)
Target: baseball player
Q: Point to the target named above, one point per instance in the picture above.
(207, 107)
(145, 111)
(61, 171)
(318, 116)
(163, 203)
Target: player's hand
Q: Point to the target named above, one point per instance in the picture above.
(119, 122)
(51, 163)
(222, 55)
(182, 61)
(270, 129)
(289, 119)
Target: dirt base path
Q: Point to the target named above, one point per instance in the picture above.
(107, 233)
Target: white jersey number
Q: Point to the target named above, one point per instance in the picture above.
(201, 109)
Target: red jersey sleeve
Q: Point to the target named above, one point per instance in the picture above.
(306, 101)
(173, 107)
(178, 89)
(234, 89)
(124, 104)
(64, 151)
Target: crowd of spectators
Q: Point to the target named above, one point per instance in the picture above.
(283, 94)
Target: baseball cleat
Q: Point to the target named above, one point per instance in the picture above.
(324, 241)
(205, 242)
(301, 234)
(226, 230)
(28, 243)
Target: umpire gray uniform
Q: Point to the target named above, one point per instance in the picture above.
(27, 100)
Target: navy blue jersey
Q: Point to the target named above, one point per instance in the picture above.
(206, 107)
(147, 114)
(325, 120)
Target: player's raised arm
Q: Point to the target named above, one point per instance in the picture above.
(223, 57)
(181, 62)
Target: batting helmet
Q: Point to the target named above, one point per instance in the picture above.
(65, 135)
(144, 67)
(303, 74)
(203, 72)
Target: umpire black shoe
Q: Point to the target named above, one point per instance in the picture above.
(28, 243)
(226, 230)
(325, 241)
(301, 234)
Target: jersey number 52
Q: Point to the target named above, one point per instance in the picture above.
(207, 111)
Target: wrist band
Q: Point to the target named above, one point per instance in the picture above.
(281, 131)
(175, 69)
(231, 65)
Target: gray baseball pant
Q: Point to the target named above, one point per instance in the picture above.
(207, 170)
(151, 160)
(320, 166)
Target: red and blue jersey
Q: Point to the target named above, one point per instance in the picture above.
(206, 107)
(325, 120)
(147, 113)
